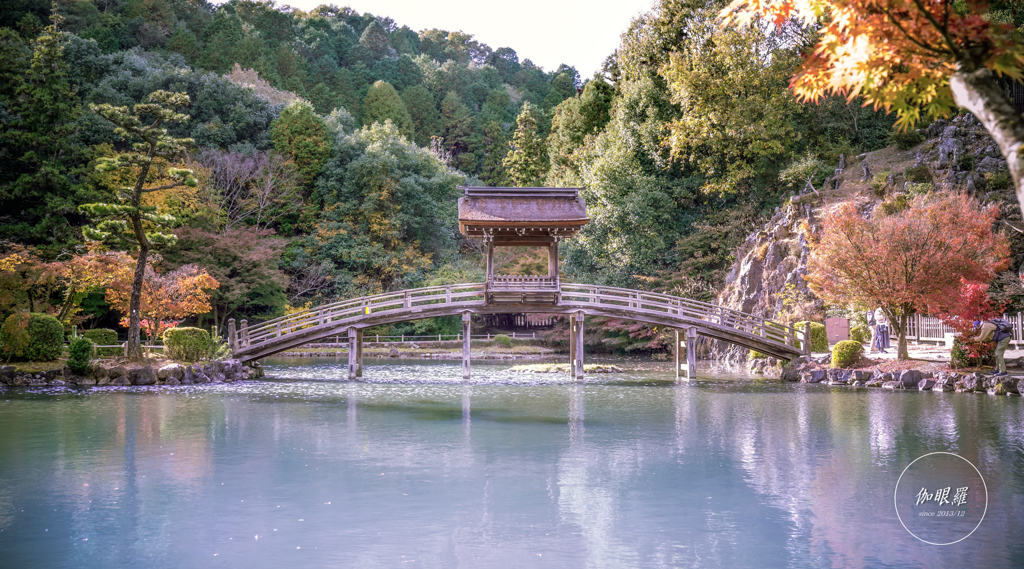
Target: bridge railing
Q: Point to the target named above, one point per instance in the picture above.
(678, 306)
(343, 310)
(473, 294)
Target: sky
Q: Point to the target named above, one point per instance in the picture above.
(579, 33)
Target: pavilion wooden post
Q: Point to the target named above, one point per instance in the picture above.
(359, 353)
(465, 344)
(245, 333)
(353, 357)
(232, 336)
(807, 339)
(691, 353)
(490, 258)
(576, 345)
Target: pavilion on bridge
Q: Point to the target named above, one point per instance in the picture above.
(522, 217)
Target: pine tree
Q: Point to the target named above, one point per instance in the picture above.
(127, 221)
(37, 170)
(527, 161)
(375, 39)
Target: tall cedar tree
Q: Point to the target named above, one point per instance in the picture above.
(382, 103)
(128, 221)
(37, 191)
(527, 160)
(909, 56)
(909, 260)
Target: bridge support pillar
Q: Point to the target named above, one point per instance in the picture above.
(465, 345)
(359, 352)
(686, 341)
(691, 353)
(576, 345)
(353, 353)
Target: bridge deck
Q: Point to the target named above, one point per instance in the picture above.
(717, 322)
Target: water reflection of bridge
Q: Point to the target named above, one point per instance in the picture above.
(520, 217)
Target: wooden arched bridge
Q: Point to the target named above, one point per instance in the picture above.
(689, 318)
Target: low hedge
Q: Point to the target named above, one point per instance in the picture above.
(101, 336)
(860, 333)
(846, 353)
(503, 340)
(104, 337)
(80, 353)
(819, 339)
(187, 344)
(33, 337)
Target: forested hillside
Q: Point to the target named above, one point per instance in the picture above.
(328, 145)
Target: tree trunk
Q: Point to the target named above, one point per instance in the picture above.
(134, 320)
(134, 344)
(978, 92)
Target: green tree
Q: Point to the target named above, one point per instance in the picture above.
(577, 118)
(387, 212)
(128, 221)
(39, 160)
(422, 109)
(375, 39)
(527, 161)
(302, 135)
(457, 127)
(737, 115)
(382, 103)
(495, 146)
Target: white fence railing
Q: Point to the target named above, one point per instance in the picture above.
(931, 329)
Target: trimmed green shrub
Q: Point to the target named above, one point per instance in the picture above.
(187, 344)
(819, 339)
(503, 340)
(104, 337)
(846, 353)
(80, 353)
(906, 140)
(101, 336)
(860, 333)
(33, 337)
(996, 181)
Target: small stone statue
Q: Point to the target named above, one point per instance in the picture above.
(842, 162)
(867, 172)
(919, 160)
(890, 180)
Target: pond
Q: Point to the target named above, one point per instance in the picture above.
(413, 467)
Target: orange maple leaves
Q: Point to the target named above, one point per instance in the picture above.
(897, 54)
(166, 298)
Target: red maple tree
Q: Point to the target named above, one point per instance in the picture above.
(960, 312)
(906, 261)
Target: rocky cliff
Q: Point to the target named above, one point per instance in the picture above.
(768, 278)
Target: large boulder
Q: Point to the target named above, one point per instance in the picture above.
(813, 376)
(910, 378)
(170, 371)
(142, 376)
(925, 384)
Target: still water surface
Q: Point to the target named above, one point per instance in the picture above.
(414, 468)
